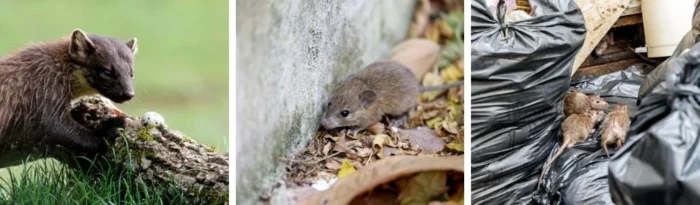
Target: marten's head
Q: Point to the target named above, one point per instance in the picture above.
(105, 64)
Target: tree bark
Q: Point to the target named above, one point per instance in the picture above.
(159, 155)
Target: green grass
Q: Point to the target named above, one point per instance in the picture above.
(182, 64)
(49, 182)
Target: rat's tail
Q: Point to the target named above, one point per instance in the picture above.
(441, 87)
(546, 165)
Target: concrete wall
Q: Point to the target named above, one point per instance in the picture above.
(290, 55)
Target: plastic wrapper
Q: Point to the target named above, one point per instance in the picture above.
(659, 162)
(520, 74)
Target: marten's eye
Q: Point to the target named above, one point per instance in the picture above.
(344, 113)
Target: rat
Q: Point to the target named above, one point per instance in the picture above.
(575, 129)
(383, 88)
(614, 128)
(577, 102)
(38, 83)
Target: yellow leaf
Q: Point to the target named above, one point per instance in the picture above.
(450, 126)
(445, 29)
(431, 79)
(433, 33)
(456, 146)
(432, 123)
(346, 169)
(422, 187)
(381, 140)
(451, 74)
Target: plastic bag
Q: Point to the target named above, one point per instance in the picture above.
(520, 74)
(659, 162)
(580, 174)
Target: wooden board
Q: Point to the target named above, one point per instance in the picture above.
(600, 15)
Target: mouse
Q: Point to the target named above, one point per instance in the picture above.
(575, 129)
(577, 102)
(383, 88)
(614, 128)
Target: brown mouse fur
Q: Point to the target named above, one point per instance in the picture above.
(38, 82)
(575, 129)
(577, 102)
(614, 128)
(382, 88)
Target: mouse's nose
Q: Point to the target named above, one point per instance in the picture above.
(326, 123)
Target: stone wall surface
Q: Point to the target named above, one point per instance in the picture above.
(289, 57)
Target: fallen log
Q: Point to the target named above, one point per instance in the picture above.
(158, 155)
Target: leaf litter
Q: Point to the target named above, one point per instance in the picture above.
(434, 128)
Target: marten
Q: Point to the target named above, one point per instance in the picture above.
(38, 82)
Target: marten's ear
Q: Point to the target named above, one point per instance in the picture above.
(80, 44)
(132, 45)
(367, 97)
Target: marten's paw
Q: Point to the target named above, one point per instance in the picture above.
(111, 126)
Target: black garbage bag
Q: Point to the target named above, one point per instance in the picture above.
(657, 75)
(520, 74)
(580, 174)
(659, 162)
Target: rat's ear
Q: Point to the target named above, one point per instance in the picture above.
(367, 97)
(80, 45)
(132, 45)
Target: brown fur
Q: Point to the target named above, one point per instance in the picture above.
(575, 129)
(578, 103)
(389, 89)
(614, 129)
(38, 82)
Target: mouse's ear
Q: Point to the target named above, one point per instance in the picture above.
(367, 97)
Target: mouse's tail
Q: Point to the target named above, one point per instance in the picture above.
(564, 145)
(441, 87)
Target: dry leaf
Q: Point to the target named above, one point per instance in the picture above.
(450, 126)
(333, 165)
(433, 33)
(455, 145)
(433, 123)
(381, 140)
(376, 128)
(450, 53)
(364, 152)
(418, 55)
(445, 29)
(431, 79)
(421, 19)
(451, 74)
(327, 148)
(420, 188)
(424, 138)
(345, 169)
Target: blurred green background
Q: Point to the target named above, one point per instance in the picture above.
(181, 69)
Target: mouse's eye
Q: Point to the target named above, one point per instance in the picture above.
(329, 104)
(344, 113)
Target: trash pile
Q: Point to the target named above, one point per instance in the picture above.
(520, 76)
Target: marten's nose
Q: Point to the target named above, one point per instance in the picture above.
(128, 95)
